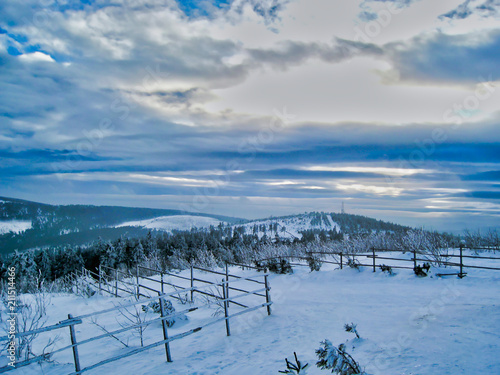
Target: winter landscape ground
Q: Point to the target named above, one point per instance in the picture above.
(408, 326)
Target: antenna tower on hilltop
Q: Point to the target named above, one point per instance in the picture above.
(342, 211)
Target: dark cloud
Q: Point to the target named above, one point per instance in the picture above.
(483, 176)
(483, 194)
(449, 58)
(292, 53)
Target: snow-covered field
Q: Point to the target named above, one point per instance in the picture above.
(16, 226)
(408, 326)
(177, 222)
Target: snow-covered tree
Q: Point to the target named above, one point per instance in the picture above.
(336, 359)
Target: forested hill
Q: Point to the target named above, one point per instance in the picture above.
(330, 224)
(25, 224)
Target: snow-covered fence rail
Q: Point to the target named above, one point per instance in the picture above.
(440, 259)
(98, 281)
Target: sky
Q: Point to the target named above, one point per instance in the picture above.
(252, 108)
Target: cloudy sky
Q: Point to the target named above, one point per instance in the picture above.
(253, 108)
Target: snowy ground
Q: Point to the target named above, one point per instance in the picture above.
(16, 226)
(176, 222)
(408, 325)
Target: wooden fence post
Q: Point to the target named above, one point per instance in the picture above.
(75, 345)
(192, 283)
(165, 332)
(227, 284)
(374, 260)
(226, 303)
(161, 281)
(76, 281)
(340, 260)
(414, 259)
(100, 280)
(116, 282)
(137, 281)
(268, 297)
(461, 261)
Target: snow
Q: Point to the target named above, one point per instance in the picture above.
(408, 326)
(177, 222)
(16, 226)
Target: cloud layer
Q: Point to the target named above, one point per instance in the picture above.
(252, 108)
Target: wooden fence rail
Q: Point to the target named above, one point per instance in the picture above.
(418, 256)
(99, 281)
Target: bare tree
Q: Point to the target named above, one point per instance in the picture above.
(31, 314)
(137, 317)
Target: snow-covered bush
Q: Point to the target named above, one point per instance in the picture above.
(156, 308)
(386, 268)
(336, 359)
(314, 262)
(422, 270)
(280, 266)
(295, 368)
(275, 265)
(353, 263)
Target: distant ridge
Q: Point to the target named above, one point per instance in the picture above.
(60, 225)
(27, 225)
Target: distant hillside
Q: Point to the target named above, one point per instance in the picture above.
(25, 224)
(296, 226)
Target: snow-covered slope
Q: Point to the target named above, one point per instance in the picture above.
(290, 227)
(176, 222)
(16, 226)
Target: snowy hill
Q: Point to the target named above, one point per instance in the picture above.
(290, 226)
(170, 223)
(294, 226)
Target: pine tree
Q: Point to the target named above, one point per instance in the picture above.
(296, 368)
(336, 359)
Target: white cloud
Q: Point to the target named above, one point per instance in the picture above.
(370, 189)
(36, 57)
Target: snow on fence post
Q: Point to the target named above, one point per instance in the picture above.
(137, 281)
(227, 283)
(192, 283)
(268, 297)
(340, 260)
(116, 282)
(75, 345)
(226, 303)
(100, 280)
(461, 261)
(165, 332)
(161, 282)
(374, 260)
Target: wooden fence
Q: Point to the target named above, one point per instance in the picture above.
(439, 259)
(111, 283)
